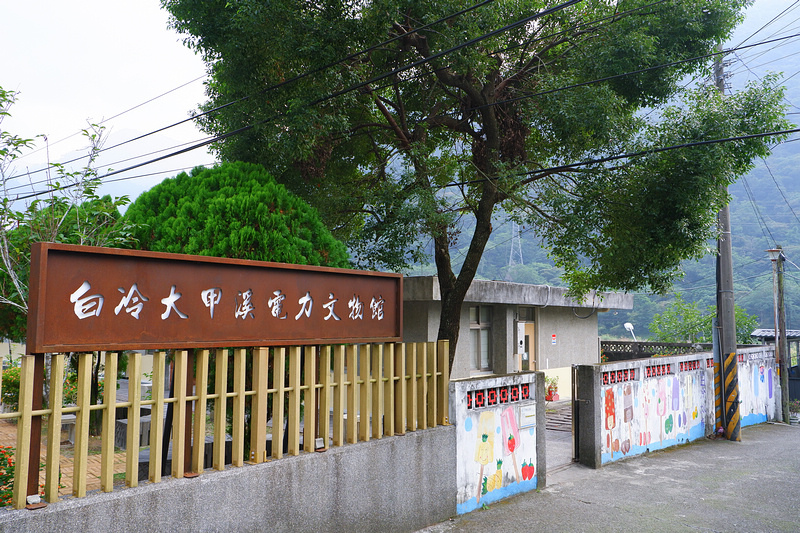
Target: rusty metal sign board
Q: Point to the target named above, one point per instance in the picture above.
(86, 298)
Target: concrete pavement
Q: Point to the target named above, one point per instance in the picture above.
(707, 485)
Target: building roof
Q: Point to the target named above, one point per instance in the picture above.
(426, 288)
(770, 333)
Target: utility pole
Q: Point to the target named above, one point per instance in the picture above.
(781, 342)
(726, 317)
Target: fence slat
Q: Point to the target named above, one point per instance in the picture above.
(52, 470)
(443, 352)
(352, 395)
(411, 398)
(200, 410)
(422, 385)
(338, 395)
(237, 446)
(220, 407)
(325, 395)
(293, 411)
(377, 391)
(156, 416)
(309, 400)
(179, 414)
(81, 449)
(365, 392)
(258, 409)
(388, 398)
(278, 401)
(133, 436)
(109, 423)
(431, 400)
(21, 456)
(401, 390)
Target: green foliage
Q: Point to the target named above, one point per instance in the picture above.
(6, 475)
(70, 391)
(683, 321)
(233, 210)
(794, 406)
(11, 379)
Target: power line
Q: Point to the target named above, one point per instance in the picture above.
(356, 54)
(441, 54)
(776, 17)
(759, 218)
(285, 82)
(40, 182)
(341, 92)
(110, 119)
(640, 71)
(552, 170)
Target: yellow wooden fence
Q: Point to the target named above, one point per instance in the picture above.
(348, 393)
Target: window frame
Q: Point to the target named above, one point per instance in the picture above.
(480, 329)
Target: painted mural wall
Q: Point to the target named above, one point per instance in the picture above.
(651, 404)
(759, 386)
(655, 403)
(495, 422)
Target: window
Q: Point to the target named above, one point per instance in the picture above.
(480, 332)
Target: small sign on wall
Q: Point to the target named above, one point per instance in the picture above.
(554, 338)
(527, 416)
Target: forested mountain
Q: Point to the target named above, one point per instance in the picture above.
(765, 205)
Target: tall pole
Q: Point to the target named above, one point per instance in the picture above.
(726, 317)
(781, 342)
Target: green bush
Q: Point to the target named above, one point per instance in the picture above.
(11, 387)
(6, 474)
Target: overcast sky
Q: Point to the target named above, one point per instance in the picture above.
(89, 60)
(73, 61)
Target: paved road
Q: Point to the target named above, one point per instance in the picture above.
(708, 485)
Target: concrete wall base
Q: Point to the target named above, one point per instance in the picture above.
(401, 483)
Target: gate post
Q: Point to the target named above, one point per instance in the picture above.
(587, 416)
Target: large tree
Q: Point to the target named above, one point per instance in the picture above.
(399, 125)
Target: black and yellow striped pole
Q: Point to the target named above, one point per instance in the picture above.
(730, 393)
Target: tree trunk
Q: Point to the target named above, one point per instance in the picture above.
(454, 288)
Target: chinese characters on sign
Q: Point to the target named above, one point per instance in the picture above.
(85, 298)
(243, 304)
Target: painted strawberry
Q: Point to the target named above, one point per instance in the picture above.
(512, 443)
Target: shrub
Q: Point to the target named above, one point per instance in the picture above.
(11, 387)
(6, 474)
(794, 406)
(71, 389)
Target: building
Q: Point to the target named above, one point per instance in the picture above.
(510, 327)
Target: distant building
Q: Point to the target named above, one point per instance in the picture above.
(509, 327)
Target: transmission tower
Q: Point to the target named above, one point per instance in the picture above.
(515, 257)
